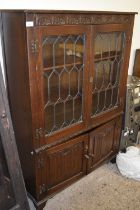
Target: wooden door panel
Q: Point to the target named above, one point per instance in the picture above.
(104, 142)
(101, 142)
(64, 164)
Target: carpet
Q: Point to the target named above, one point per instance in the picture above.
(103, 189)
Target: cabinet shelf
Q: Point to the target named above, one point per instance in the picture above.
(59, 63)
(63, 66)
(61, 100)
(62, 113)
(101, 89)
(70, 62)
(107, 56)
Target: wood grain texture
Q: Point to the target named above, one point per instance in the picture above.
(16, 62)
(104, 141)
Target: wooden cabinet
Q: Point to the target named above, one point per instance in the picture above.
(66, 81)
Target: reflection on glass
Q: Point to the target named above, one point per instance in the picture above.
(108, 59)
(58, 51)
(63, 64)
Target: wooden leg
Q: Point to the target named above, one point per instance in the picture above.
(41, 206)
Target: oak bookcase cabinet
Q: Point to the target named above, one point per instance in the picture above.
(66, 77)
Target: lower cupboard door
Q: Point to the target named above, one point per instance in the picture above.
(64, 164)
(102, 143)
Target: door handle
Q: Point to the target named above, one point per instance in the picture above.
(86, 156)
(91, 155)
(91, 79)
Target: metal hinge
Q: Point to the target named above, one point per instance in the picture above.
(39, 133)
(40, 163)
(34, 46)
(42, 188)
(86, 149)
(121, 100)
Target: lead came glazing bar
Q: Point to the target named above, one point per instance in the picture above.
(109, 53)
(63, 66)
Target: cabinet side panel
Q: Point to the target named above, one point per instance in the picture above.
(136, 68)
(16, 62)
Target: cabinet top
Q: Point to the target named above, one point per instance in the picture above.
(68, 12)
(70, 17)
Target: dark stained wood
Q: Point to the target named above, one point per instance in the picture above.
(136, 68)
(59, 166)
(16, 62)
(77, 18)
(103, 142)
(12, 189)
(65, 163)
(81, 19)
(117, 134)
(66, 11)
(51, 162)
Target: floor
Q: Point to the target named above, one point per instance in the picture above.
(103, 189)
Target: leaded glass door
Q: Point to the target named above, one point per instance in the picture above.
(63, 75)
(109, 46)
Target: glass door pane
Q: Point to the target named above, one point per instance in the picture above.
(63, 66)
(108, 59)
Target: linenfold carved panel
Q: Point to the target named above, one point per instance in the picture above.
(58, 19)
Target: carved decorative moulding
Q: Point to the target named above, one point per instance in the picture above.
(58, 19)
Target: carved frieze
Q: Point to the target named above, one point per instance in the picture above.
(58, 19)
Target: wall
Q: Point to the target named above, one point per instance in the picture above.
(108, 5)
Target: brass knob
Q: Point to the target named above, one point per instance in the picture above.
(91, 80)
(86, 156)
(91, 155)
